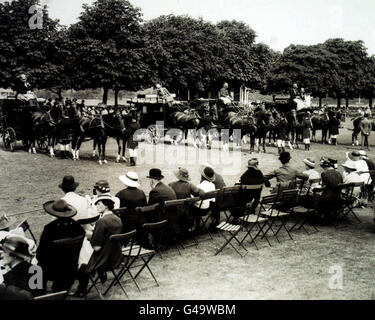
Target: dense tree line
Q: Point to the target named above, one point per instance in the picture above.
(111, 47)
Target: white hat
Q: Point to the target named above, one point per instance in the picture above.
(349, 165)
(363, 153)
(130, 179)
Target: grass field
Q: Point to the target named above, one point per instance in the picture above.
(298, 269)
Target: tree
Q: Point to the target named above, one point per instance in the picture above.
(186, 52)
(351, 59)
(108, 48)
(368, 86)
(27, 50)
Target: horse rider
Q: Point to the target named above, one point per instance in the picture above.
(294, 92)
(164, 94)
(23, 89)
(224, 95)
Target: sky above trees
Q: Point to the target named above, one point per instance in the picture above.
(277, 23)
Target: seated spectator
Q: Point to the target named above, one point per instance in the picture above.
(184, 189)
(219, 181)
(102, 187)
(16, 259)
(285, 176)
(105, 254)
(202, 208)
(252, 176)
(371, 167)
(311, 172)
(131, 198)
(159, 194)
(5, 223)
(351, 176)
(59, 267)
(330, 199)
(12, 293)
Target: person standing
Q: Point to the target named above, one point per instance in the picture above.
(366, 127)
(334, 128)
(282, 128)
(306, 135)
(132, 143)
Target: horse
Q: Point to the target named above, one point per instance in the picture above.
(184, 120)
(264, 125)
(208, 121)
(357, 129)
(43, 125)
(320, 122)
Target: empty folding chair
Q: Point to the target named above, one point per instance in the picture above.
(226, 201)
(348, 202)
(144, 256)
(269, 208)
(26, 228)
(233, 231)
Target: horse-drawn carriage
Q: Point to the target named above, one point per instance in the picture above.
(153, 111)
(16, 121)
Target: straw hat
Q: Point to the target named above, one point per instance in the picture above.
(354, 156)
(104, 197)
(309, 162)
(208, 173)
(5, 222)
(130, 179)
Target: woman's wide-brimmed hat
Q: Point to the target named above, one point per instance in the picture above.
(208, 173)
(18, 246)
(354, 156)
(60, 209)
(155, 174)
(182, 174)
(130, 179)
(5, 221)
(349, 165)
(68, 183)
(309, 162)
(363, 153)
(104, 197)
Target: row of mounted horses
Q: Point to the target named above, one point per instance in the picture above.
(206, 119)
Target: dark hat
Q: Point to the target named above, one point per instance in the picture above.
(284, 156)
(326, 163)
(18, 246)
(5, 222)
(182, 174)
(60, 209)
(208, 173)
(102, 186)
(155, 174)
(68, 183)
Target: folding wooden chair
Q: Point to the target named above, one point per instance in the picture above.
(53, 296)
(115, 240)
(270, 208)
(143, 255)
(226, 199)
(348, 200)
(126, 239)
(204, 218)
(233, 231)
(26, 228)
(168, 206)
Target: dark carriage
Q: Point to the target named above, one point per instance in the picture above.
(153, 110)
(16, 121)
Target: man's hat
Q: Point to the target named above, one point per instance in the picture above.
(349, 165)
(103, 197)
(309, 162)
(130, 179)
(252, 162)
(155, 174)
(60, 209)
(285, 156)
(182, 174)
(208, 173)
(354, 156)
(68, 183)
(5, 222)
(102, 186)
(17, 246)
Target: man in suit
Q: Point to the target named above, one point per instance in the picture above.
(159, 194)
(366, 127)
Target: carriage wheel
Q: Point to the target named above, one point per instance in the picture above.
(9, 139)
(42, 143)
(155, 134)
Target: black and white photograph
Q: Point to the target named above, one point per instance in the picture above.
(187, 150)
